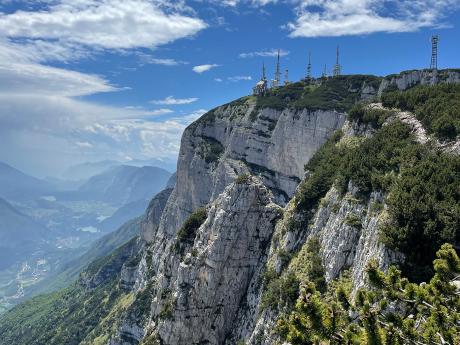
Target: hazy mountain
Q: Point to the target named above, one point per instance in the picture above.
(14, 184)
(124, 184)
(104, 245)
(63, 184)
(19, 235)
(123, 214)
(86, 170)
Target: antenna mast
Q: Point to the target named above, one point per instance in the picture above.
(434, 52)
(337, 68)
(276, 81)
(324, 75)
(286, 77)
(309, 67)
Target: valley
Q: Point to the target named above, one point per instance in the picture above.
(45, 229)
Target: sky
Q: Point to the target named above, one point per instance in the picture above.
(89, 80)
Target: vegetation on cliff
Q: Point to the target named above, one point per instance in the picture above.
(339, 93)
(437, 107)
(422, 185)
(391, 311)
(75, 315)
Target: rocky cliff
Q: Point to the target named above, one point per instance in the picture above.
(239, 213)
(207, 288)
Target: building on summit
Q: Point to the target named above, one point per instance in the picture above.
(261, 88)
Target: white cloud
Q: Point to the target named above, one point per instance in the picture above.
(264, 53)
(170, 100)
(233, 3)
(356, 17)
(219, 80)
(204, 68)
(149, 59)
(240, 78)
(84, 144)
(161, 112)
(35, 78)
(41, 119)
(54, 132)
(318, 18)
(107, 24)
(22, 72)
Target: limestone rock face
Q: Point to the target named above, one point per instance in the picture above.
(212, 279)
(409, 79)
(152, 216)
(234, 140)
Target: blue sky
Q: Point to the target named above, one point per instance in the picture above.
(86, 80)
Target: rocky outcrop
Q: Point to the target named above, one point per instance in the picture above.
(348, 233)
(409, 79)
(152, 216)
(212, 279)
(233, 140)
(106, 268)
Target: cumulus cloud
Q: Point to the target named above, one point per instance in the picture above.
(319, 18)
(264, 53)
(170, 100)
(356, 17)
(40, 116)
(71, 130)
(233, 3)
(107, 24)
(204, 68)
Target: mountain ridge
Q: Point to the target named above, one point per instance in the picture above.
(271, 208)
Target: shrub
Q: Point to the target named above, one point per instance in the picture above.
(353, 220)
(242, 179)
(436, 106)
(424, 205)
(423, 314)
(323, 169)
(210, 149)
(187, 232)
(167, 310)
(281, 292)
(361, 113)
(338, 93)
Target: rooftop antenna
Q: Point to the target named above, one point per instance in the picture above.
(286, 77)
(337, 68)
(434, 52)
(276, 81)
(324, 75)
(309, 67)
(263, 72)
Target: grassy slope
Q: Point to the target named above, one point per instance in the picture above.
(73, 314)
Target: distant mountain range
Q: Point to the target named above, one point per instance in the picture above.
(86, 170)
(125, 184)
(47, 224)
(19, 235)
(14, 184)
